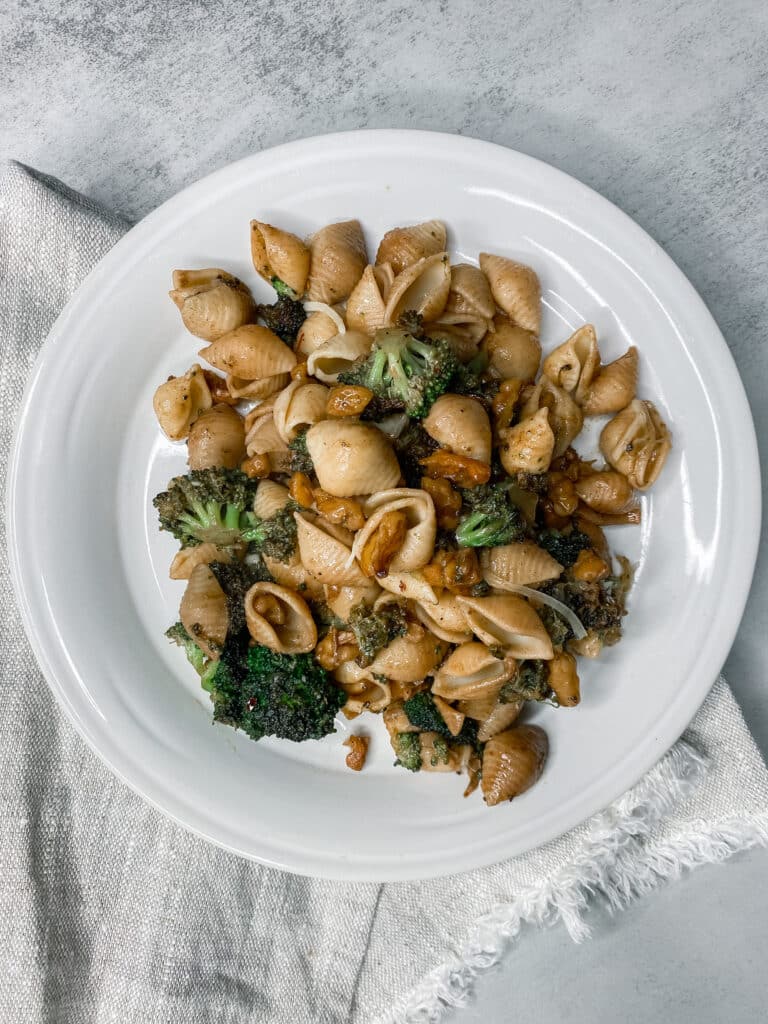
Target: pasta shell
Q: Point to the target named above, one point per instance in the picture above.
(179, 401)
(320, 326)
(528, 446)
(516, 290)
(203, 611)
(338, 354)
(409, 658)
(263, 438)
(410, 585)
(453, 718)
(513, 351)
(253, 389)
(573, 365)
(280, 619)
(605, 492)
(187, 560)
(294, 576)
(479, 708)
(402, 247)
(565, 417)
(270, 499)
(337, 261)
(396, 720)
(500, 717)
(327, 557)
(470, 292)
(419, 542)
(564, 679)
(250, 352)
(636, 442)
(341, 600)
(614, 387)
(512, 762)
(422, 288)
(445, 619)
(521, 563)
(461, 425)
(437, 757)
(509, 622)
(364, 693)
(472, 672)
(211, 302)
(351, 458)
(217, 438)
(263, 411)
(279, 254)
(298, 407)
(366, 307)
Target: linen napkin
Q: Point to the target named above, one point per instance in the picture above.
(109, 912)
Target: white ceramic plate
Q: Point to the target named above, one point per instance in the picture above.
(90, 567)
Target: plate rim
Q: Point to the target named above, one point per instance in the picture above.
(678, 712)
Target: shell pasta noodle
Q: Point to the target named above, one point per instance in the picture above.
(385, 512)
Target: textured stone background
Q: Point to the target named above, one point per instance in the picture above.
(661, 105)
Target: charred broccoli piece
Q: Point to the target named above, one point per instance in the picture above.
(564, 547)
(424, 714)
(374, 630)
(558, 628)
(275, 536)
(600, 606)
(301, 460)
(197, 658)
(206, 505)
(531, 682)
(413, 445)
(490, 519)
(269, 694)
(407, 746)
(468, 379)
(285, 316)
(405, 372)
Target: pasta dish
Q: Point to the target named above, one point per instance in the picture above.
(384, 511)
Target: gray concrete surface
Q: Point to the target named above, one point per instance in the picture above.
(661, 106)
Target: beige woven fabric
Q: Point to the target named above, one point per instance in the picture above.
(111, 913)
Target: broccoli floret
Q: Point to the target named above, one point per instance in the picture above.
(531, 682)
(413, 445)
(439, 751)
(270, 694)
(468, 379)
(412, 322)
(599, 606)
(424, 714)
(206, 505)
(285, 316)
(275, 536)
(283, 290)
(301, 460)
(407, 746)
(203, 665)
(491, 519)
(564, 547)
(406, 372)
(374, 630)
(558, 628)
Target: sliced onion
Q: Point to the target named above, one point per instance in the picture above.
(323, 307)
(536, 595)
(393, 425)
